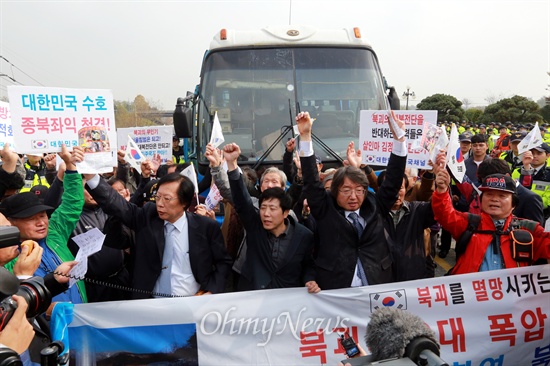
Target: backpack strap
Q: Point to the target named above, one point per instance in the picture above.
(462, 242)
(524, 224)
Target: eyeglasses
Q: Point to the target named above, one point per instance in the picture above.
(166, 199)
(346, 192)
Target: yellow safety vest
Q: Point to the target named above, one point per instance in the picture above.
(540, 187)
(33, 178)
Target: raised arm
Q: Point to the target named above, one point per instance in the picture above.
(219, 175)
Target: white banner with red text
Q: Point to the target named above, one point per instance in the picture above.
(480, 319)
(376, 139)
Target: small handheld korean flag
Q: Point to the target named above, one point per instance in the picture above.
(216, 139)
(455, 160)
(134, 155)
(190, 173)
(213, 198)
(533, 139)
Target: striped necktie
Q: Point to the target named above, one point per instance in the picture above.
(359, 228)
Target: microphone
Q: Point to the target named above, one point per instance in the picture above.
(397, 333)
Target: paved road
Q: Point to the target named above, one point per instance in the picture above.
(445, 264)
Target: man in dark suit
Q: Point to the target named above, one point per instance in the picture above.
(279, 250)
(176, 252)
(353, 248)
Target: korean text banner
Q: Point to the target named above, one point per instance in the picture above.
(489, 318)
(376, 140)
(151, 140)
(6, 130)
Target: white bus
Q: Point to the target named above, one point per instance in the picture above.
(258, 80)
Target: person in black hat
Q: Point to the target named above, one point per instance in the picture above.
(29, 215)
(465, 144)
(511, 156)
(490, 248)
(40, 191)
(483, 132)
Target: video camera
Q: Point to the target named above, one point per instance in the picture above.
(33, 290)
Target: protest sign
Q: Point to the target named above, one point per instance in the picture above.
(376, 140)
(151, 140)
(6, 130)
(45, 118)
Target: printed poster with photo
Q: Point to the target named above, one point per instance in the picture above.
(151, 140)
(376, 140)
(44, 118)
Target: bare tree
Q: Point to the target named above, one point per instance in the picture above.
(492, 98)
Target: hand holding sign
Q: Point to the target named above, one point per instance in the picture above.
(397, 127)
(353, 156)
(9, 158)
(71, 158)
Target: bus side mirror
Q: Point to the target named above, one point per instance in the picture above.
(183, 120)
(393, 99)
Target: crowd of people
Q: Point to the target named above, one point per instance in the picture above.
(299, 226)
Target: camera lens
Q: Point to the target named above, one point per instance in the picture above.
(37, 296)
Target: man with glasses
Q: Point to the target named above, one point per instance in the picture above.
(353, 248)
(176, 252)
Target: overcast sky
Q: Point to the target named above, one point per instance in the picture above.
(471, 49)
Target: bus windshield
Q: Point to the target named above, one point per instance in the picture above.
(256, 92)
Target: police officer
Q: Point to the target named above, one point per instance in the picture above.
(35, 172)
(535, 174)
(178, 155)
(511, 156)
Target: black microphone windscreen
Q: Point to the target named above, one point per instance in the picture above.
(391, 330)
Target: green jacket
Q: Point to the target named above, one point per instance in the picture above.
(63, 222)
